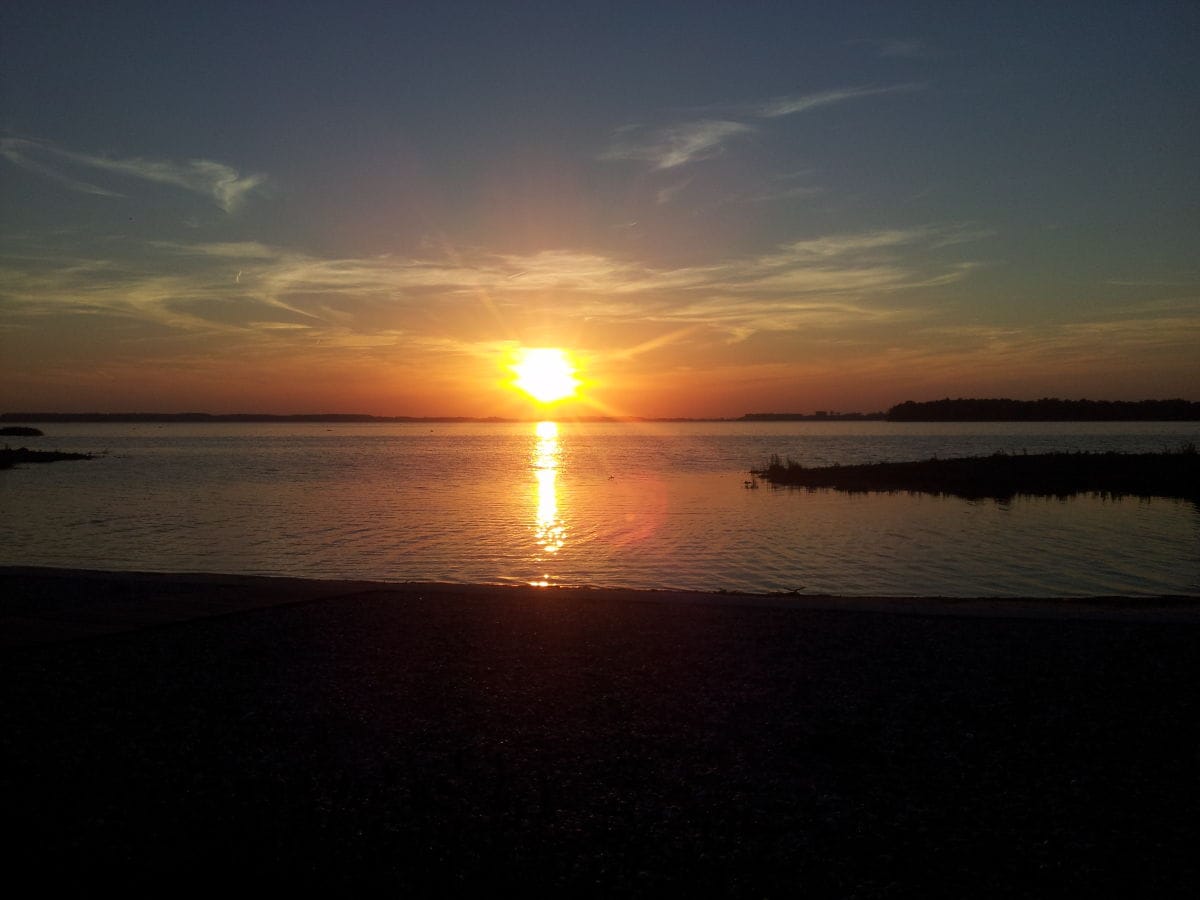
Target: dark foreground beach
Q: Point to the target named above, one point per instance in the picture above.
(176, 732)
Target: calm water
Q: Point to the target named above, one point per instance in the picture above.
(653, 505)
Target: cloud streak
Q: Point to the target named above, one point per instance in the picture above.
(674, 145)
(218, 182)
(252, 287)
(779, 107)
(669, 146)
(872, 301)
(894, 48)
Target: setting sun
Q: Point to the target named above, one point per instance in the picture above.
(545, 374)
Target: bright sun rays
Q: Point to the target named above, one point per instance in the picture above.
(545, 374)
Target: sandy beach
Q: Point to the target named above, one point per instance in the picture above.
(170, 730)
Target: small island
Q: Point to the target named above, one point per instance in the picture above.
(10, 457)
(20, 431)
(1003, 476)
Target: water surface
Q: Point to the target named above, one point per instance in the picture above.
(623, 505)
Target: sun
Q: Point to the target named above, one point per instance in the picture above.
(545, 374)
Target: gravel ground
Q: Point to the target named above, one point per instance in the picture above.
(466, 740)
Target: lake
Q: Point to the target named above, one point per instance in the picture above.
(645, 505)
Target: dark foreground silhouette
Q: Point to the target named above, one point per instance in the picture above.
(415, 740)
(10, 457)
(1048, 409)
(1004, 476)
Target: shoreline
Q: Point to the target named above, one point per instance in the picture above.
(51, 604)
(446, 739)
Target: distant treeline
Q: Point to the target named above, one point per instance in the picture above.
(947, 410)
(1049, 409)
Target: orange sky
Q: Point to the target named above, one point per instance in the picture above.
(740, 210)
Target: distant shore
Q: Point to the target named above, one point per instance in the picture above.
(356, 419)
(456, 739)
(1049, 409)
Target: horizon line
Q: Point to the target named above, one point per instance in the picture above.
(370, 417)
(959, 409)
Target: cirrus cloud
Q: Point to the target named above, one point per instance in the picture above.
(669, 146)
(220, 183)
(674, 145)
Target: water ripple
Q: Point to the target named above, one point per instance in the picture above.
(637, 507)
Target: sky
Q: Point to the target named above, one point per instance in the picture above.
(714, 208)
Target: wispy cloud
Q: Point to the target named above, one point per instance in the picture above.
(666, 194)
(669, 146)
(1116, 342)
(1153, 282)
(797, 103)
(895, 48)
(217, 181)
(674, 145)
(254, 292)
(876, 298)
(14, 151)
(766, 189)
(221, 250)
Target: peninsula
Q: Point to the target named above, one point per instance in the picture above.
(1002, 476)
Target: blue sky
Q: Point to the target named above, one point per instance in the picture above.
(716, 208)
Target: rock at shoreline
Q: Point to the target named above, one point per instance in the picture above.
(10, 457)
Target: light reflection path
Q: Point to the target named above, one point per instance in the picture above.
(549, 531)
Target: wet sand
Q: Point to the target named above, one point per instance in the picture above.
(161, 731)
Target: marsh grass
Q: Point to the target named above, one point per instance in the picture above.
(1171, 473)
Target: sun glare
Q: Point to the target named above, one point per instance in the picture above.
(545, 374)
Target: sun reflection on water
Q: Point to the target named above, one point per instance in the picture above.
(549, 531)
